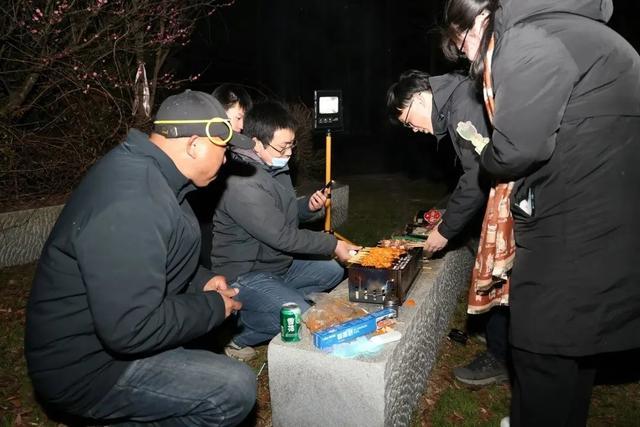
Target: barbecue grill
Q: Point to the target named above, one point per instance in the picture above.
(374, 285)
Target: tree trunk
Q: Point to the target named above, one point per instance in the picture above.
(161, 57)
(16, 100)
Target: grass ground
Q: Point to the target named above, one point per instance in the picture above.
(379, 206)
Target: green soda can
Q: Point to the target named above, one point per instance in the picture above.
(290, 317)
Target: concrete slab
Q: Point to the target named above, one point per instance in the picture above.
(312, 388)
(23, 234)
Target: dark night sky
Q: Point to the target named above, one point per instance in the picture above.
(287, 49)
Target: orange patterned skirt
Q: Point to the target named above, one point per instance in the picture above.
(496, 252)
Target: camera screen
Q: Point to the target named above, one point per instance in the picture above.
(328, 105)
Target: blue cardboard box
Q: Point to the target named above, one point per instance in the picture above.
(351, 329)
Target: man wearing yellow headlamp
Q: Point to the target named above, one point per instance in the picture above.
(118, 290)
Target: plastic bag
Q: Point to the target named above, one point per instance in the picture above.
(361, 346)
(329, 311)
(142, 96)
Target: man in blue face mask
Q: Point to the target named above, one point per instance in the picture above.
(256, 239)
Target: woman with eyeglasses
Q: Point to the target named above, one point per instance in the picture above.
(563, 94)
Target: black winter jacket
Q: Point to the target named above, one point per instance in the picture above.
(455, 100)
(255, 225)
(567, 129)
(111, 283)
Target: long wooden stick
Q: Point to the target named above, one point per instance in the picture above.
(327, 174)
(341, 237)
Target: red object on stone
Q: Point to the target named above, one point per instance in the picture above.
(432, 216)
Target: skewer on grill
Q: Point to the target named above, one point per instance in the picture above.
(377, 257)
(355, 259)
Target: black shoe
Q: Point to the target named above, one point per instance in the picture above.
(484, 369)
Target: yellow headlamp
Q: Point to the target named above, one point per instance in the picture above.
(208, 123)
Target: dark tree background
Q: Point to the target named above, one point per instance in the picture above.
(68, 75)
(73, 81)
(287, 49)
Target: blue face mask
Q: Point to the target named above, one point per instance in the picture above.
(279, 162)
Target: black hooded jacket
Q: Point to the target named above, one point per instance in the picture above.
(111, 284)
(567, 130)
(455, 100)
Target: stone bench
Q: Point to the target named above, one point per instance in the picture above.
(312, 388)
(339, 202)
(23, 233)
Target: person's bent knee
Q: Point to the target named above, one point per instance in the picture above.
(240, 395)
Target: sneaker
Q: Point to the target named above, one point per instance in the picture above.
(505, 422)
(484, 369)
(240, 353)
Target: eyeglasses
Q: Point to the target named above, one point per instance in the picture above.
(289, 146)
(464, 39)
(406, 122)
